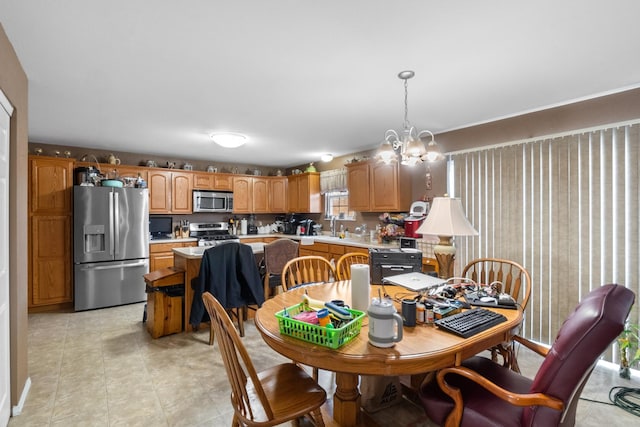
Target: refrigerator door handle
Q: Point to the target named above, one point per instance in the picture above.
(112, 229)
(116, 223)
(113, 267)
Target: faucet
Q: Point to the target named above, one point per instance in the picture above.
(332, 225)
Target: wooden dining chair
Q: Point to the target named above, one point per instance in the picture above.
(307, 269)
(273, 396)
(343, 266)
(276, 256)
(510, 277)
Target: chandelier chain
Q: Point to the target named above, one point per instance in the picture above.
(406, 125)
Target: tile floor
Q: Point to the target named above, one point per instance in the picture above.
(101, 368)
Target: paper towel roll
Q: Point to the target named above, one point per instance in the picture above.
(243, 226)
(360, 286)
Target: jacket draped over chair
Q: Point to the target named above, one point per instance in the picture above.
(229, 272)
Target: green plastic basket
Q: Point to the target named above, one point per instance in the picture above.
(332, 338)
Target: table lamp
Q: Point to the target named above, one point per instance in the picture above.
(446, 219)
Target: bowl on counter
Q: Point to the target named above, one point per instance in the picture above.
(112, 183)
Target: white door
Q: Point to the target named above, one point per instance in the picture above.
(5, 377)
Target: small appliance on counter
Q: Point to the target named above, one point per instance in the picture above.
(279, 223)
(417, 215)
(307, 227)
(291, 223)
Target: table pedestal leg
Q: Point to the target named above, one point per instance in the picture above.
(346, 400)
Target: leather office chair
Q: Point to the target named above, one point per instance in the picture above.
(276, 256)
(274, 396)
(482, 393)
(229, 272)
(307, 269)
(515, 280)
(343, 266)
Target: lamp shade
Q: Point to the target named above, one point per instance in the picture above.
(446, 218)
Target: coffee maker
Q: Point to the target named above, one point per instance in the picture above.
(306, 227)
(291, 223)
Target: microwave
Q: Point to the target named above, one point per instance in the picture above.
(212, 201)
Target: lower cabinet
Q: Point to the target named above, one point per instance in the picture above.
(161, 254)
(51, 260)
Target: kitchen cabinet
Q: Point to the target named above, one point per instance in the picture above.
(213, 181)
(118, 171)
(50, 261)
(251, 194)
(161, 254)
(278, 194)
(260, 195)
(387, 187)
(170, 192)
(358, 185)
(242, 194)
(304, 193)
(318, 248)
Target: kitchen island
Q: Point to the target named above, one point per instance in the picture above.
(189, 260)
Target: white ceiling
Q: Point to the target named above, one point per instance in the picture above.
(302, 77)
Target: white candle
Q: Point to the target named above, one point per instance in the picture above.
(360, 287)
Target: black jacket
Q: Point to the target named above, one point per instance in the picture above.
(229, 272)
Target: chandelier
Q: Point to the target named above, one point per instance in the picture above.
(408, 143)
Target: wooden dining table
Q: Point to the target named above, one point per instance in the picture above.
(423, 348)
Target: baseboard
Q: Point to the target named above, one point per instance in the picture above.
(17, 410)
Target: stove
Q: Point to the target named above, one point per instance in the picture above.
(211, 234)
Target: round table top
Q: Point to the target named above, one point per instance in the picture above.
(423, 347)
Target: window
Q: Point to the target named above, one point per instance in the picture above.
(565, 207)
(337, 204)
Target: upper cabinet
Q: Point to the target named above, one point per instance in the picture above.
(170, 192)
(51, 181)
(257, 194)
(278, 194)
(212, 181)
(304, 193)
(378, 187)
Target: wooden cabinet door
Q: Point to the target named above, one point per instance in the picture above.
(159, 192)
(292, 193)
(203, 181)
(242, 194)
(181, 192)
(51, 185)
(51, 261)
(304, 193)
(278, 195)
(384, 184)
(260, 195)
(390, 188)
(358, 186)
(223, 182)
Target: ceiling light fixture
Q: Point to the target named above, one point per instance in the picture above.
(326, 157)
(409, 142)
(229, 139)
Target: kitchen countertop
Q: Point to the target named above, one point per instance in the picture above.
(310, 240)
(178, 240)
(195, 252)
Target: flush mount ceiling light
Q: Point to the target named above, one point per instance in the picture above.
(229, 139)
(326, 157)
(408, 143)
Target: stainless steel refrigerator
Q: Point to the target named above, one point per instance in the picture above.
(110, 245)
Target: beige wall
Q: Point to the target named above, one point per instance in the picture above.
(13, 83)
(620, 107)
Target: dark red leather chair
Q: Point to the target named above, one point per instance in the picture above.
(482, 393)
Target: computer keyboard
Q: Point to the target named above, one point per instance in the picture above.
(470, 322)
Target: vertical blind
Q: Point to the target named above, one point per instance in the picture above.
(565, 207)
